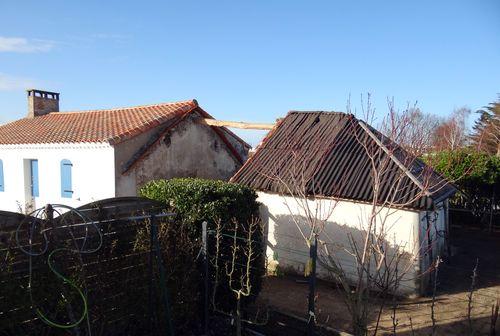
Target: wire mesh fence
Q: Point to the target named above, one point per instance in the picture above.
(89, 271)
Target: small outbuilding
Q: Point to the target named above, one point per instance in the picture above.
(334, 165)
(74, 158)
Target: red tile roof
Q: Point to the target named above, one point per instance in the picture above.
(112, 126)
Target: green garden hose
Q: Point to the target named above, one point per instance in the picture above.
(72, 284)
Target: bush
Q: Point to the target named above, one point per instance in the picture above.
(197, 200)
(476, 174)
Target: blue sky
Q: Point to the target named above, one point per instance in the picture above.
(251, 60)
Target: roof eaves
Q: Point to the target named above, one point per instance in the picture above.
(444, 196)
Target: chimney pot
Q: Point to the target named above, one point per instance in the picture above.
(42, 102)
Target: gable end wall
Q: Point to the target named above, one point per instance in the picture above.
(189, 149)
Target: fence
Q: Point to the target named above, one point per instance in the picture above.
(95, 270)
(462, 218)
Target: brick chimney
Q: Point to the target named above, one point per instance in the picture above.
(42, 102)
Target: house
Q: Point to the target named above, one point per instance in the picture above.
(74, 158)
(323, 164)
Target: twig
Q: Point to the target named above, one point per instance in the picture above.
(469, 296)
(433, 317)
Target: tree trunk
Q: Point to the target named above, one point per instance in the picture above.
(238, 317)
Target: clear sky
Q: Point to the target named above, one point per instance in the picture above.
(250, 60)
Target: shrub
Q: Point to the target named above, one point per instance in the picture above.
(197, 200)
(476, 174)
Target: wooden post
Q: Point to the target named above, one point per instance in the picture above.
(491, 212)
(205, 269)
(236, 124)
(313, 253)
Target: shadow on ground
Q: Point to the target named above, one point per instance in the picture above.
(467, 246)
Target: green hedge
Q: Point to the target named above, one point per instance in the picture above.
(476, 174)
(197, 200)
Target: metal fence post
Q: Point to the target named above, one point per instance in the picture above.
(205, 269)
(163, 280)
(313, 252)
(151, 258)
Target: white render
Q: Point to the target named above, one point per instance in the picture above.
(287, 249)
(192, 150)
(93, 174)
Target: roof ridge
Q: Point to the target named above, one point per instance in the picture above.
(318, 111)
(405, 169)
(193, 102)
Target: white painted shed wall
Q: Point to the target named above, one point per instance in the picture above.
(287, 248)
(92, 173)
(436, 232)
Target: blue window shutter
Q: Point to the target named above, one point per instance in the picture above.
(2, 187)
(34, 178)
(66, 187)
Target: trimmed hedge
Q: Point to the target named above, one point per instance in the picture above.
(196, 200)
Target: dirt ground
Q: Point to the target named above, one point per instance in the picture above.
(288, 294)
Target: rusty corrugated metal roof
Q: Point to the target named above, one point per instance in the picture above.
(334, 154)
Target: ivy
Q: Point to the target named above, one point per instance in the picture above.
(476, 174)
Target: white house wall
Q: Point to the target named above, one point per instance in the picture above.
(92, 174)
(287, 249)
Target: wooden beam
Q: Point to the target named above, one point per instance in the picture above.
(236, 124)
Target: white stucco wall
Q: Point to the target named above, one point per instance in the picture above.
(92, 174)
(287, 249)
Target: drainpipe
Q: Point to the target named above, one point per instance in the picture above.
(418, 256)
(428, 211)
(446, 206)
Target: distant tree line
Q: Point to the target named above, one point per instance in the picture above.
(430, 133)
(470, 158)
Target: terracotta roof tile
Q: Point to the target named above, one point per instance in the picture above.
(112, 126)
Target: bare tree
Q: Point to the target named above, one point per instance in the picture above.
(238, 277)
(453, 133)
(239, 268)
(470, 297)
(433, 301)
(414, 129)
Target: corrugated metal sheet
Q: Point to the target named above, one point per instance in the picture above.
(331, 154)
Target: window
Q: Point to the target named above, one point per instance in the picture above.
(34, 178)
(66, 188)
(1, 176)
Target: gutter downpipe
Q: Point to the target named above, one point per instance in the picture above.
(428, 211)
